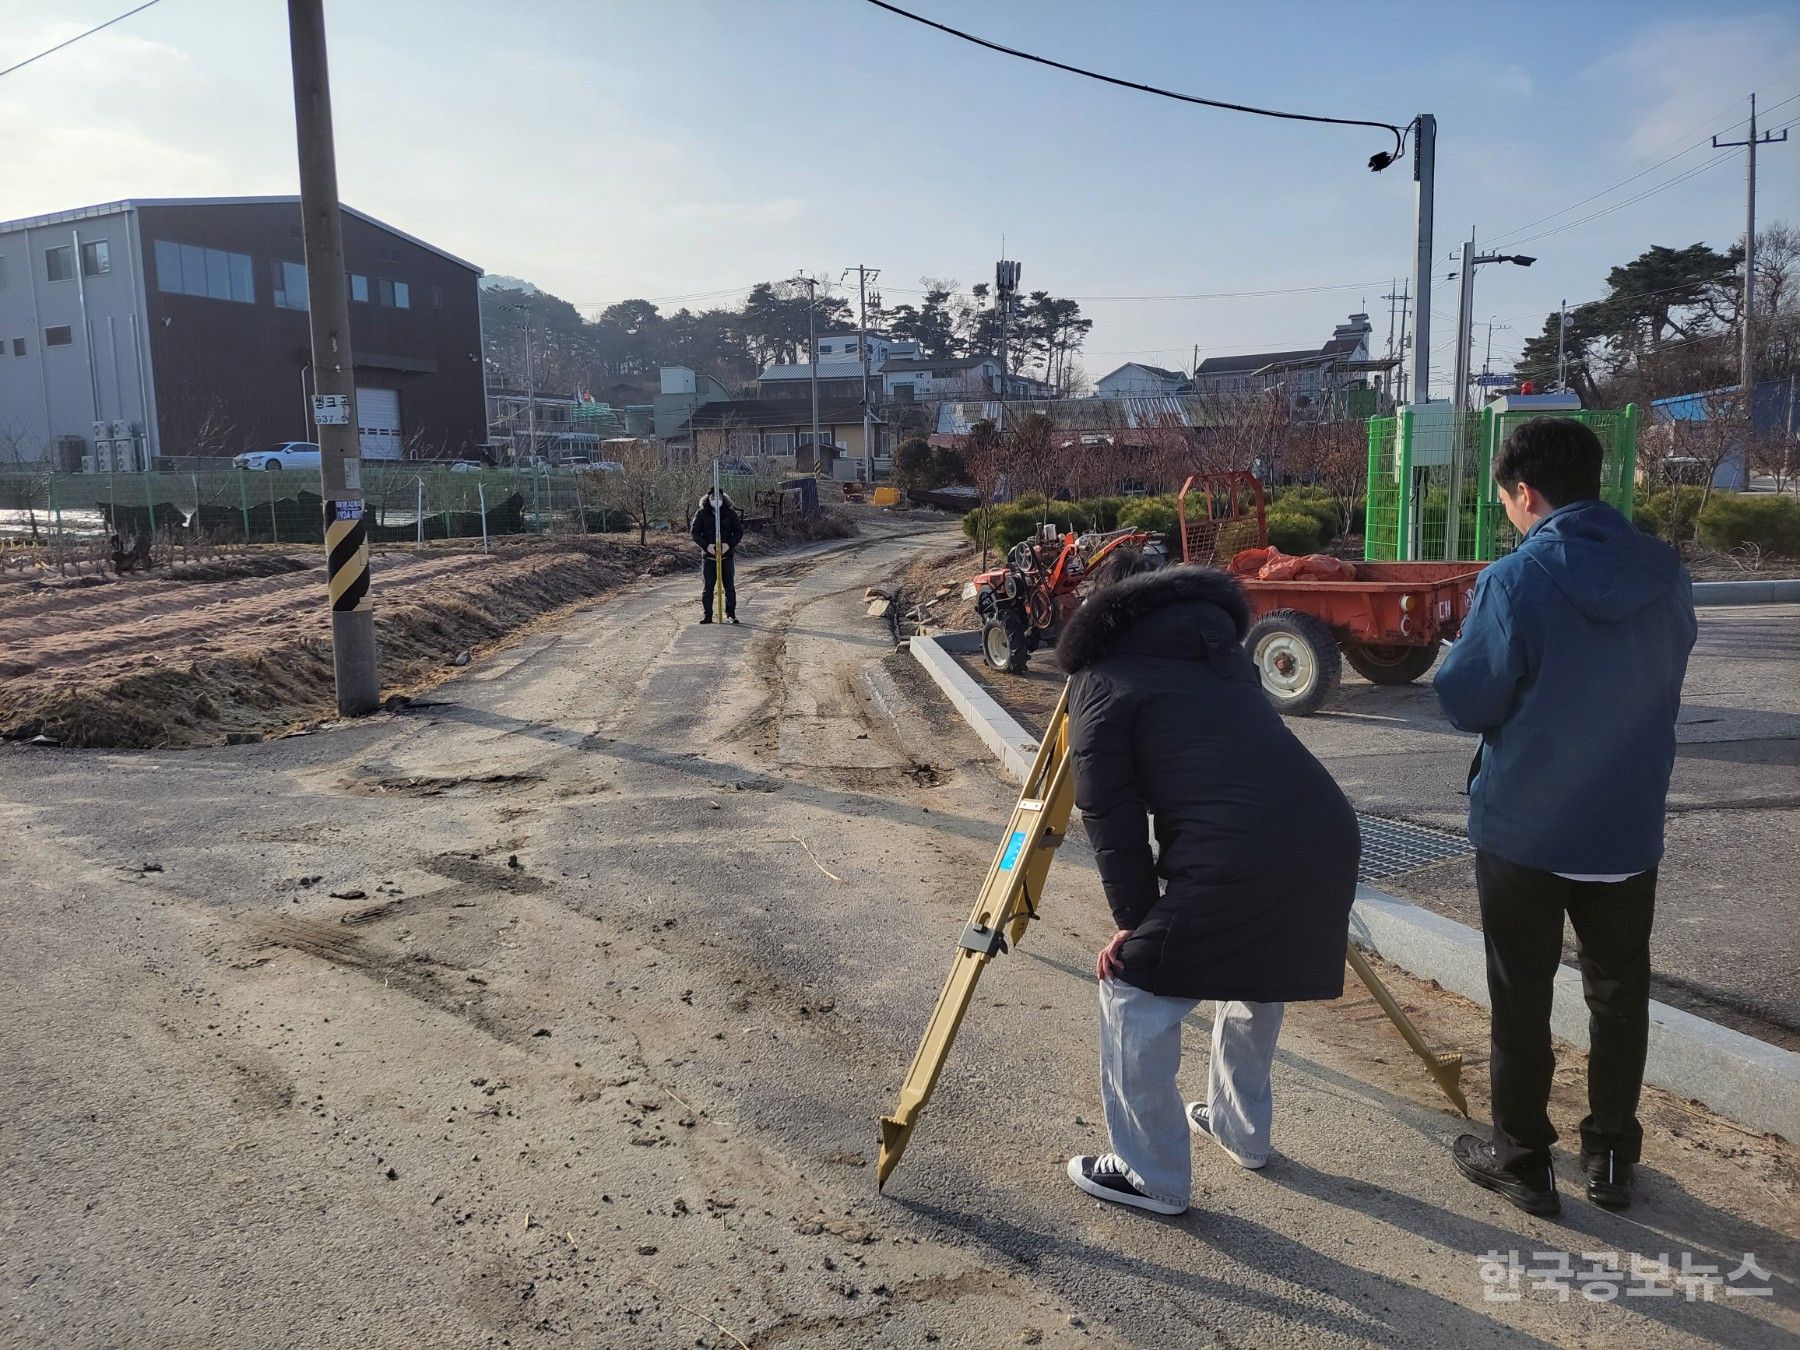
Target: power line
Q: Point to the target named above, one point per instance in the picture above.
(1398, 133)
(78, 37)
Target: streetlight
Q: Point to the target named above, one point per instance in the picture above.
(1465, 326)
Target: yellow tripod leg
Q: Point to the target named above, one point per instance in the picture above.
(1445, 1067)
(719, 578)
(1005, 906)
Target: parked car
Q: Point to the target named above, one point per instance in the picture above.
(287, 455)
(466, 466)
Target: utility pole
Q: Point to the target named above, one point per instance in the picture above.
(1398, 375)
(1562, 342)
(1487, 360)
(334, 369)
(862, 290)
(1425, 176)
(812, 355)
(1747, 360)
(1465, 336)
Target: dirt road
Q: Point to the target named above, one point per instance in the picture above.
(559, 1010)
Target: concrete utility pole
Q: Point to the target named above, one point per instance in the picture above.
(1747, 358)
(1398, 334)
(1562, 342)
(862, 290)
(1465, 325)
(334, 369)
(1425, 175)
(812, 354)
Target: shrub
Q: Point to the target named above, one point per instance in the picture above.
(1156, 514)
(1105, 511)
(1309, 501)
(947, 466)
(1293, 531)
(1669, 513)
(913, 464)
(1769, 522)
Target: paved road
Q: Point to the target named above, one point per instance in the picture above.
(560, 1011)
(1729, 901)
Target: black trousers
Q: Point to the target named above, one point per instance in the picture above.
(709, 574)
(1522, 923)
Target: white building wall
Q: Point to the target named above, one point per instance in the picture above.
(102, 373)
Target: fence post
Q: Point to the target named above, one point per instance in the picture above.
(580, 508)
(274, 525)
(537, 510)
(194, 478)
(481, 497)
(150, 505)
(419, 518)
(244, 503)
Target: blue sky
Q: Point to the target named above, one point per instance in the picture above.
(688, 148)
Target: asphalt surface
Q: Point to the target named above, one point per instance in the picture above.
(560, 1010)
(1728, 902)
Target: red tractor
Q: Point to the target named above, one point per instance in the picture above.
(1024, 603)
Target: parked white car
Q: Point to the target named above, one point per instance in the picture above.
(466, 466)
(287, 455)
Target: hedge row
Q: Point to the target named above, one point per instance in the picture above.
(1766, 521)
(1300, 520)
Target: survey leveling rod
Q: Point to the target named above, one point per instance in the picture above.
(718, 548)
(1006, 904)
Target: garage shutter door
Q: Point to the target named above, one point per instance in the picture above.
(378, 423)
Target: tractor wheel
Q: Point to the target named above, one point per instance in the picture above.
(1381, 664)
(1003, 641)
(1297, 659)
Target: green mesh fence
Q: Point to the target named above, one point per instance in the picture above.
(1419, 462)
(405, 503)
(1381, 531)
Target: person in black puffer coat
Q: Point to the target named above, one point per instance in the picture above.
(1245, 896)
(731, 530)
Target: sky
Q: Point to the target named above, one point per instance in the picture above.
(682, 150)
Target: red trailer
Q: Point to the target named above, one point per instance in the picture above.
(1388, 621)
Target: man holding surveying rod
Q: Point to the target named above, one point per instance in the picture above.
(718, 529)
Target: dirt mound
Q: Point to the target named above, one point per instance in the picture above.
(168, 662)
(930, 591)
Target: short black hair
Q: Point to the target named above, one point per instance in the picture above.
(1558, 456)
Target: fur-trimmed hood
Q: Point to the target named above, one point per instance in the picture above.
(1178, 611)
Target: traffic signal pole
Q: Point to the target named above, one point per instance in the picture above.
(334, 370)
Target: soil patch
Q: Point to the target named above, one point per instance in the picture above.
(929, 598)
(240, 648)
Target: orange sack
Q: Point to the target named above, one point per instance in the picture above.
(1249, 561)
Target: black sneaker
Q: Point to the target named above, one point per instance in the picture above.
(706, 618)
(1199, 1117)
(732, 618)
(1475, 1160)
(1608, 1180)
(1105, 1178)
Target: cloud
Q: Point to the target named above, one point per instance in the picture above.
(1675, 79)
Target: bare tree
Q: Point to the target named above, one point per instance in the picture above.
(655, 491)
(1335, 455)
(984, 455)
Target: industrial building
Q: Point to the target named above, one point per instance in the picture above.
(151, 330)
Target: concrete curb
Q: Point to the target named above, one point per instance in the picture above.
(1743, 1079)
(1780, 591)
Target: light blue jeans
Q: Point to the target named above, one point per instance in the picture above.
(1140, 1055)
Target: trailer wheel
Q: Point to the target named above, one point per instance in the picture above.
(1381, 664)
(1003, 641)
(1297, 659)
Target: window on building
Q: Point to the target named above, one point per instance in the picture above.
(2, 271)
(359, 288)
(289, 287)
(18, 346)
(60, 336)
(59, 263)
(96, 258)
(187, 269)
(778, 442)
(437, 292)
(394, 294)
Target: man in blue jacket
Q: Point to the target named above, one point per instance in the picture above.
(1570, 666)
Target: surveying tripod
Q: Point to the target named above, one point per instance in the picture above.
(1006, 905)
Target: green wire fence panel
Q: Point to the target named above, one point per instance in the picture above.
(1381, 532)
(404, 502)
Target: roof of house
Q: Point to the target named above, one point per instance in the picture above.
(831, 368)
(1079, 414)
(1178, 376)
(902, 363)
(1251, 361)
(754, 412)
(133, 203)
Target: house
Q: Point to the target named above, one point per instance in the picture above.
(1137, 380)
(779, 431)
(839, 368)
(1318, 381)
(163, 328)
(917, 379)
(680, 392)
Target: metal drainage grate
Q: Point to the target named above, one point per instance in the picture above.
(1391, 847)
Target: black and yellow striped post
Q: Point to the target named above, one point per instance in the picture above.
(334, 369)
